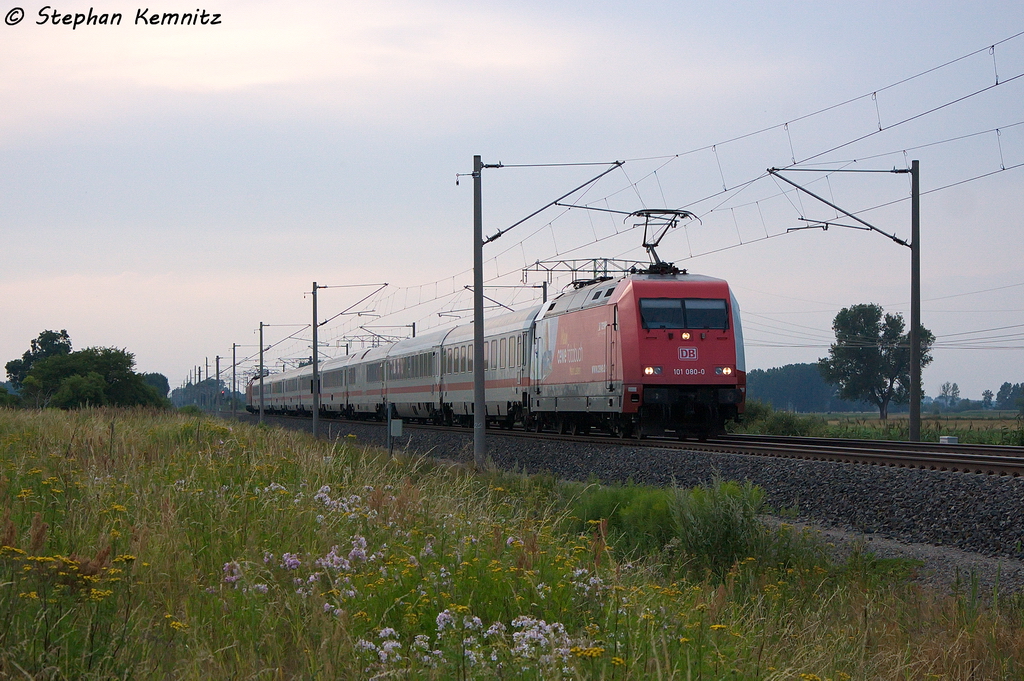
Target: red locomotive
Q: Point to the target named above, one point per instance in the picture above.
(651, 353)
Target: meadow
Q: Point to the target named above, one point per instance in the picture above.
(145, 544)
(991, 427)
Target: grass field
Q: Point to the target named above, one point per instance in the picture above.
(983, 427)
(153, 545)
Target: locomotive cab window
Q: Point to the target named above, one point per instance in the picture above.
(688, 313)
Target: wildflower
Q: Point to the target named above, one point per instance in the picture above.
(496, 629)
(232, 572)
(618, 661)
(445, 620)
(333, 561)
(358, 551)
(261, 588)
(683, 639)
(810, 677)
(291, 561)
(718, 627)
(388, 650)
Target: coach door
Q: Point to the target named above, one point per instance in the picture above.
(611, 345)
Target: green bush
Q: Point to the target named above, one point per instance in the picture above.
(761, 419)
(717, 525)
(639, 519)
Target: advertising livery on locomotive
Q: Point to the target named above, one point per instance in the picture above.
(646, 354)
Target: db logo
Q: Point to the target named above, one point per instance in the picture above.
(688, 354)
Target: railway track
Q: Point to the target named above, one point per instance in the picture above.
(962, 458)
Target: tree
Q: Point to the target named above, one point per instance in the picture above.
(796, 387)
(158, 382)
(986, 399)
(7, 399)
(949, 393)
(870, 359)
(47, 344)
(93, 376)
(944, 391)
(1009, 394)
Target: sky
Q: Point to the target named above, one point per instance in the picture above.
(166, 188)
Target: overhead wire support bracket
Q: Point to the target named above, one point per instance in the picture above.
(775, 172)
(914, 337)
(470, 288)
(615, 164)
(824, 225)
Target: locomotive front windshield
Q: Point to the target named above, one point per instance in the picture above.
(683, 313)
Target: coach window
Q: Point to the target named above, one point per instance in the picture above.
(469, 357)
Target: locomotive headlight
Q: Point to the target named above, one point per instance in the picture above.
(723, 371)
(652, 371)
(685, 335)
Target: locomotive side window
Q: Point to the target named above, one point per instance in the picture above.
(689, 313)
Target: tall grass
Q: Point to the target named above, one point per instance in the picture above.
(151, 545)
(762, 419)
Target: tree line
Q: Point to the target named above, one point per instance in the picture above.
(52, 374)
(868, 366)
